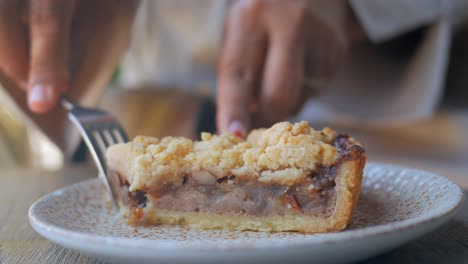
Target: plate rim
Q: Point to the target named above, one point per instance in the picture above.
(49, 230)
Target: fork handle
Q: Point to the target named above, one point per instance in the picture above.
(67, 103)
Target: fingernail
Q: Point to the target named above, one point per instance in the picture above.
(40, 94)
(237, 128)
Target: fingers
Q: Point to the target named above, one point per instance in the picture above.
(284, 69)
(13, 42)
(282, 84)
(241, 62)
(50, 22)
(319, 65)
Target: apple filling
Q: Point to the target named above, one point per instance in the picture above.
(201, 192)
(229, 195)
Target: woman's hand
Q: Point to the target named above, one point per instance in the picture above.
(34, 48)
(43, 43)
(272, 51)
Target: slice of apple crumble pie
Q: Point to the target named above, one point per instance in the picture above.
(289, 177)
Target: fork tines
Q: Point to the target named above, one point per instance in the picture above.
(99, 130)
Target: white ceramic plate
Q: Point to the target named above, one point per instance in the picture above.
(397, 204)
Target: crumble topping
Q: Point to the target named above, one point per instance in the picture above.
(283, 154)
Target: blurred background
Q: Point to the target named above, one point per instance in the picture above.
(167, 97)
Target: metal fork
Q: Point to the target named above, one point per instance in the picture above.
(99, 130)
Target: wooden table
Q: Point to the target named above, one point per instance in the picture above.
(20, 244)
